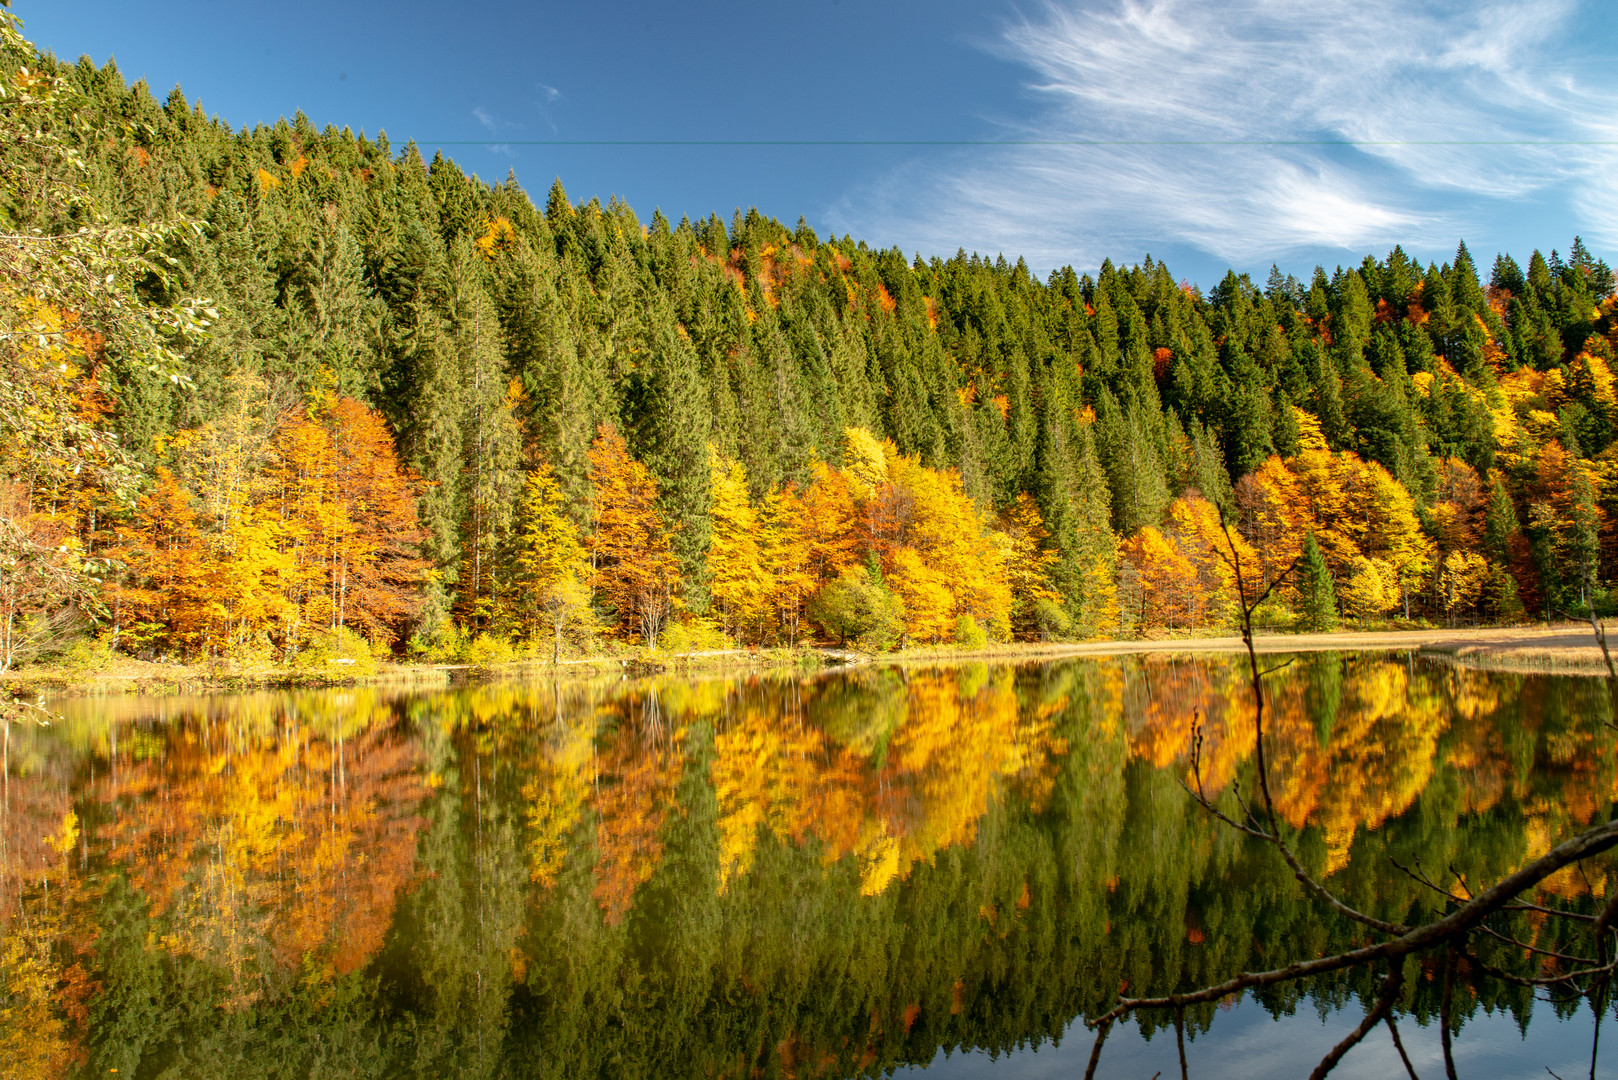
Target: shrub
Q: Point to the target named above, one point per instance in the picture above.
(1051, 620)
(698, 635)
(87, 656)
(337, 652)
(486, 650)
(968, 634)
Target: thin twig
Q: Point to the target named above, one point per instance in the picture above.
(1179, 1038)
(1398, 1044)
(1380, 1010)
(1509, 940)
(1421, 876)
(1444, 1011)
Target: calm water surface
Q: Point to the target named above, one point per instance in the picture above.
(932, 870)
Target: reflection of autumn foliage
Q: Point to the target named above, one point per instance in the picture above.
(1377, 756)
(636, 788)
(282, 835)
(1349, 748)
(959, 734)
(1354, 743)
(44, 986)
(1008, 824)
(1511, 745)
(785, 775)
(889, 777)
(1162, 698)
(555, 794)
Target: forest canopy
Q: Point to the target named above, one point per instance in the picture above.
(426, 410)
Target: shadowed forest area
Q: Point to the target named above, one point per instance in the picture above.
(284, 392)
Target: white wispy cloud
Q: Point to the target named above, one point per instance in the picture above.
(1223, 126)
(548, 97)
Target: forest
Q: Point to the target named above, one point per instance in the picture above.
(273, 392)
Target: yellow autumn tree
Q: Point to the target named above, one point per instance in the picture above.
(1355, 509)
(1027, 560)
(784, 539)
(1165, 592)
(929, 607)
(739, 576)
(550, 558)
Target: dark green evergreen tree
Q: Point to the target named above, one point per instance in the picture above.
(1317, 599)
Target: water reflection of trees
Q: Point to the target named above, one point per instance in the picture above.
(823, 876)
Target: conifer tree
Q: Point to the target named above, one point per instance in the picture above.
(490, 441)
(1317, 599)
(671, 423)
(1500, 522)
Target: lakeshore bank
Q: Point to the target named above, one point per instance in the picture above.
(1568, 648)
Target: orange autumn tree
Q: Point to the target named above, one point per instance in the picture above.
(826, 523)
(165, 599)
(194, 586)
(350, 514)
(1163, 582)
(1181, 576)
(636, 572)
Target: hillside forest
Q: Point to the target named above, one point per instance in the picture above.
(273, 391)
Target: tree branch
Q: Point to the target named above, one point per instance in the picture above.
(1377, 1013)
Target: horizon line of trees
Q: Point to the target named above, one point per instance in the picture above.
(396, 422)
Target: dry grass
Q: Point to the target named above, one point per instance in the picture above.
(1567, 648)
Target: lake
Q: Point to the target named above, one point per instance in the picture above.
(890, 868)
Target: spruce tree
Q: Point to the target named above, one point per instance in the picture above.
(1500, 521)
(491, 441)
(1317, 611)
(671, 426)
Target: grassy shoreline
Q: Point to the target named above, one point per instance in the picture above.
(1565, 648)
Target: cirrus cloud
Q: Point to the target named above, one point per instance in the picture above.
(1256, 128)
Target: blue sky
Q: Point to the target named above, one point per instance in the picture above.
(1223, 134)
